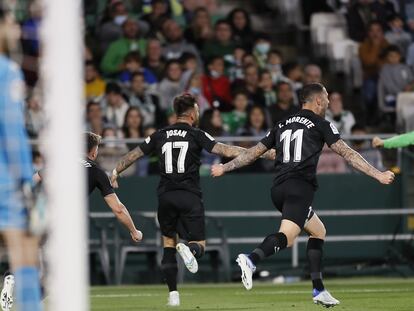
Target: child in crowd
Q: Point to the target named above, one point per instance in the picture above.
(274, 66)
(266, 84)
(397, 35)
(236, 119)
(133, 64)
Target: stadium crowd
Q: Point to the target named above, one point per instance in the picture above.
(140, 54)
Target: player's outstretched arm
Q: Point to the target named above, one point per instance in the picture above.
(246, 157)
(357, 161)
(123, 216)
(125, 162)
(228, 151)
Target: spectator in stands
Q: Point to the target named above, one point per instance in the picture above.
(176, 45)
(190, 7)
(294, 73)
(261, 48)
(195, 87)
(330, 162)
(249, 59)
(313, 74)
(200, 29)
(116, 106)
(369, 53)
(382, 10)
(95, 121)
(274, 65)
(110, 152)
(154, 60)
(30, 35)
(336, 114)
(113, 59)
(133, 125)
(236, 119)
(38, 161)
(235, 64)
(364, 148)
(216, 86)
(222, 43)
(155, 19)
(171, 116)
(256, 124)
(284, 106)
(212, 123)
(111, 28)
(397, 35)
(147, 103)
(189, 66)
(34, 115)
(266, 85)
(94, 84)
(242, 31)
(250, 85)
(133, 64)
(395, 77)
(171, 85)
(359, 17)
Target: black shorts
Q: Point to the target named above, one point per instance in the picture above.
(181, 212)
(293, 198)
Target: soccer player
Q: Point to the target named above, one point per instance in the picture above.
(15, 177)
(180, 206)
(97, 178)
(398, 141)
(298, 141)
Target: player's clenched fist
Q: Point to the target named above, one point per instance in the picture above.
(136, 235)
(217, 170)
(386, 178)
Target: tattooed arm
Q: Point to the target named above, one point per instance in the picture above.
(246, 157)
(228, 151)
(357, 161)
(125, 162)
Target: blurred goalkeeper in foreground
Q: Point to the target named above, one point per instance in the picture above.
(15, 178)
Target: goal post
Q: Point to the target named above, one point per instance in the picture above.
(62, 83)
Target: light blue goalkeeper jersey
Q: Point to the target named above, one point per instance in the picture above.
(15, 152)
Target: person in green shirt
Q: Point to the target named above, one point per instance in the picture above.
(236, 119)
(399, 141)
(112, 62)
(222, 44)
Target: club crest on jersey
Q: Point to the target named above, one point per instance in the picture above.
(181, 133)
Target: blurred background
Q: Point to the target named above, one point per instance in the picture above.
(245, 61)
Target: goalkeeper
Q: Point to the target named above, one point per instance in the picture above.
(399, 141)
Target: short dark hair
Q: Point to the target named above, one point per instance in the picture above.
(222, 21)
(133, 56)
(113, 87)
(90, 104)
(137, 74)
(92, 140)
(281, 83)
(308, 91)
(183, 103)
(390, 49)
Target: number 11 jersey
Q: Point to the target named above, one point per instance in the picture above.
(178, 148)
(298, 141)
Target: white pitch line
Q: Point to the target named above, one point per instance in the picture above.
(295, 292)
(258, 292)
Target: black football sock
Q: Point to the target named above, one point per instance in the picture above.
(197, 249)
(314, 252)
(170, 268)
(272, 244)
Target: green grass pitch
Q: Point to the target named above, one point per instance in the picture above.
(361, 294)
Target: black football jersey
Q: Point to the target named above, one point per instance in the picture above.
(178, 148)
(97, 178)
(298, 141)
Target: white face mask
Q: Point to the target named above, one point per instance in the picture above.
(120, 19)
(214, 74)
(262, 48)
(274, 67)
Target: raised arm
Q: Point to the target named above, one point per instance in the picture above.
(123, 216)
(357, 161)
(228, 151)
(125, 162)
(246, 157)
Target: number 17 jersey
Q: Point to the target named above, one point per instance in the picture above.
(298, 141)
(178, 148)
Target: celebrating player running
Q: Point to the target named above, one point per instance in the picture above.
(298, 141)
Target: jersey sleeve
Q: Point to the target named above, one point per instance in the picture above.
(148, 146)
(270, 139)
(206, 141)
(103, 183)
(399, 141)
(330, 133)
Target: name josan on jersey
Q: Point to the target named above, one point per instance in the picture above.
(178, 148)
(299, 140)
